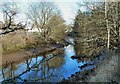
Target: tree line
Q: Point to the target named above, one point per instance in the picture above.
(97, 28)
(45, 16)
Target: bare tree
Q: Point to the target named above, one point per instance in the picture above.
(9, 25)
(40, 14)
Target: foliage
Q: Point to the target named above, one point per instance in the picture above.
(57, 26)
(91, 31)
(46, 18)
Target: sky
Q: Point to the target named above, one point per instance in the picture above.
(68, 8)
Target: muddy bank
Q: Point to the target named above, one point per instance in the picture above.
(22, 55)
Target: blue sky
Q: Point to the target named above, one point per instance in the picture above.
(68, 8)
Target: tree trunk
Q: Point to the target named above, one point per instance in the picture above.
(108, 29)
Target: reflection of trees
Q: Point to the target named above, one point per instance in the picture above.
(56, 62)
(10, 72)
(43, 65)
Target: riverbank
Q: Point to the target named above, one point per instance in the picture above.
(104, 71)
(23, 54)
(107, 71)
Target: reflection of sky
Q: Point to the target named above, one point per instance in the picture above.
(22, 67)
(70, 66)
(1, 77)
(65, 70)
(6, 71)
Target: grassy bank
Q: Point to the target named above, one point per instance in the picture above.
(20, 40)
(16, 41)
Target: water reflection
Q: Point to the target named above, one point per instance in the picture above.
(53, 70)
(56, 62)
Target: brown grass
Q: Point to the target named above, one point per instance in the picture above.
(16, 41)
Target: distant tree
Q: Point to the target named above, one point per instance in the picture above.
(40, 14)
(57, 28)
(47, 19)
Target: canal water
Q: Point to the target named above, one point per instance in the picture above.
(53, 70)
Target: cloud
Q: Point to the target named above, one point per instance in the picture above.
(67, 10)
